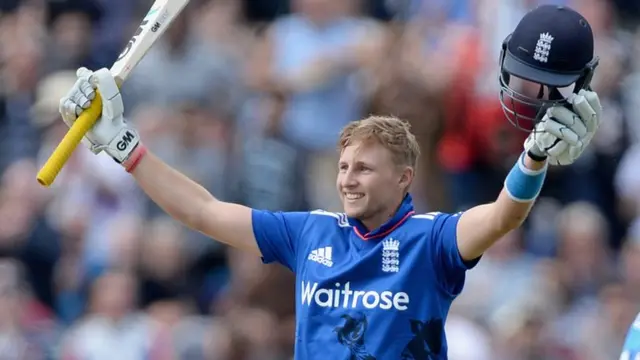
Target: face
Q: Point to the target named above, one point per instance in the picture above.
(370, 184)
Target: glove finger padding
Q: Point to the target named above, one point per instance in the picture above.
(589, 109)
(68, 110)
(566, 158)
(559, 131)
(550, 144)
(80, 100)
(112, 106)
(71, 106)
(88, 90)
(568, 118)
(575, 151)
(85, 90)
(84, 73)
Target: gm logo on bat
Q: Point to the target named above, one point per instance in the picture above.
(134, 38)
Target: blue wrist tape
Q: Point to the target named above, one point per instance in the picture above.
(522, 184)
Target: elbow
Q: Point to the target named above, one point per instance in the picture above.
(507, 221)
(197, 219)
(511, 224)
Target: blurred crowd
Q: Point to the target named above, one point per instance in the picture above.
(247, 97)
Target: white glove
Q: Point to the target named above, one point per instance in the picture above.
(562, 135)
(110, 132)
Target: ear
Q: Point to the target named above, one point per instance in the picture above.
(406, 177)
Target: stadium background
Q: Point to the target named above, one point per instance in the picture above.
(91, 269)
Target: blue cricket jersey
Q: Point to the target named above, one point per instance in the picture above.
(360, 295)
(631, 347)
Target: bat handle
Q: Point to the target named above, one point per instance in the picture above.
(71, 140)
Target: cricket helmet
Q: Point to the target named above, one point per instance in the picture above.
(552, 50)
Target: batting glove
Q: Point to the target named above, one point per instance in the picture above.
(110, 132)
(563, 134)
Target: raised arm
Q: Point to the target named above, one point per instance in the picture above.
(272, 235)
(563, 135)
(483, 225)
(188, 202)
(179, 196)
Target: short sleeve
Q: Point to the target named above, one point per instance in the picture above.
(449, 263)
(278, 234)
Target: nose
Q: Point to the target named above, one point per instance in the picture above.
(348, 179)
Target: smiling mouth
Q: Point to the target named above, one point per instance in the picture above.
(353, 196)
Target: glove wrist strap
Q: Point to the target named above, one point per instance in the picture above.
(536, 157)
(135, 157)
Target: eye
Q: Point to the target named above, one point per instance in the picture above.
(343, 167)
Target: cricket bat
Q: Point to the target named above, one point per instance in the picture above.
(157, 20)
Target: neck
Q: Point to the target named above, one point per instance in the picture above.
(376, 222)
(382, 217)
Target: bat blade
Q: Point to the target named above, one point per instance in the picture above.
(153, 25)
(157, 20)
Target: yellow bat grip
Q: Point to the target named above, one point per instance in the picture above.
(70, 141)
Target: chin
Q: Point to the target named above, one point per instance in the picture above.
(354, 212)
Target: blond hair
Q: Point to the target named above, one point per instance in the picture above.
(392, 133)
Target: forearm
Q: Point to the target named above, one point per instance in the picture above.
(182, 198)
(480, 227)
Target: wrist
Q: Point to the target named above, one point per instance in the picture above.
(535, 154)
(534, 162)
(135, 157)
(123, 144)
(524, 181)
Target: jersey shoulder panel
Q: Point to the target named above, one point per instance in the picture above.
(422, 223)
(434, 214)
(339, 219)
(426, 216)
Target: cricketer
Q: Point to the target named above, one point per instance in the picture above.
(377, 281)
